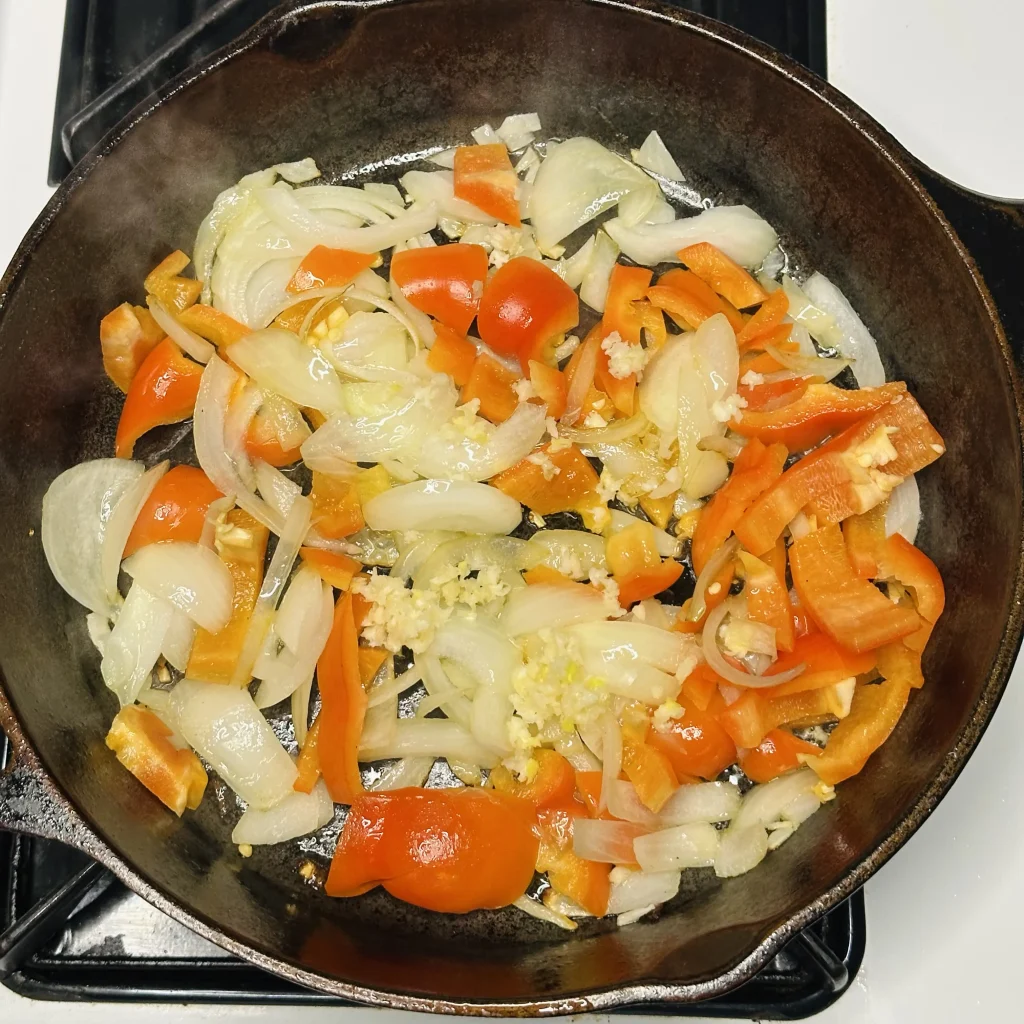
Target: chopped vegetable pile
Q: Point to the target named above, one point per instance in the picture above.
(515, 481)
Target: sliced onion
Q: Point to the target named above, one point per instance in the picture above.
(721, 557)
(653, 155)
(279, 362)
(857, 343)
(415, 328)
(630, 642)
(573, 269)
(431, 737)
(694, 845)
(571, 746)
(641, 890)
(296, 815)
(806, 365)
(625, 804)
(727, 446)
(241, 412)
(820, 324)
(224, 725)
(198, 348)
(903, 514)
(423, 330)
(766, 804)
(597, 277)
(538, 910)
(571, 552)
(371, 547)
(134, 644)
(275, 488)
(437, 188)
(414, 554)
(98, 628)
(550, 606)
(406, 771)
(478, 552)
(667, 545)
(300, 711)
(582, 379)
(611, 758)
(218, 508)
(604, 841)
(460, 505)
(715, 659)
(517, 130)
(740, 850)
(384, 692)
(189, 576)
(739, 232)
(180, 636)
(77, 510)
(617, 430)
(659, 389)
(701, 801)
(443, 694)
(120, 524)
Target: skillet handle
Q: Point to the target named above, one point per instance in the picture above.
(30, 801)
(993, 232)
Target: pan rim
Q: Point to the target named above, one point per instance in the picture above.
(776, 935)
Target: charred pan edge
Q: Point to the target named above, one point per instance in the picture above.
(48, 805)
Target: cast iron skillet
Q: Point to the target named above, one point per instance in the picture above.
(364, 87)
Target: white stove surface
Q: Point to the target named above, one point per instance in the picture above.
(945, 77)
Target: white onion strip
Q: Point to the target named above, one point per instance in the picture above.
(712, 568)
(616, 431)
(417, 332)
(611, 758)
(581, 381)
(717, 662)
(198, 348)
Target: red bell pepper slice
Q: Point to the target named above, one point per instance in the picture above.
(450, 850)
(585, 882)
(771, 394)
(696, 744)
(574, 483)
(690, 301)
(525, 307)
(175, 509)
(825, 663)
(778, 752)
(724, 275)
(850, 610)
(623, 310)
(649, 769)
(484, 177)
(452, 354)
(127, 335)
(900, 560)
(553, 784)
(308, 763)
(323, 267)
(768, 598)
(333, 567)
(212, 324)
(445, 281)
(551, 387)
(492, 383)
(645, 583)
(749, 719)
(865, 539)
(163, 391)
(165, 282)
(337, 512)
(772, 312)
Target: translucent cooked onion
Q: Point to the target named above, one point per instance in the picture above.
(296, 815)
(190, 342)
(422, 335)
(582, 379)
(805, 365)
(443, 694)
(625, 804)
(604, 841)
(630, 642)
(223, 724)
(653, 155)
(667, 545)
(716, 661)
(821, 325)
(415, 553)
(431, 737)
(702, 801)
(571, 552)
(597, 276)
(550, 606)
(300, 711)
(714, 565)
(275, 488)
(178, 640)
(478, 552)
(857, 343)
(611, 758)
(693, 845)
(903, 513)
(438, 188)
(641, 890)
(740, 850)
(423, 328)
(189, 576)
(617, 430)
(460, 505)
(766, 804)
(538, 910)
(406, 771)
(241, 412)
(134, 644)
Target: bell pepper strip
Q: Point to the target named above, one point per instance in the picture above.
(659, 510)
(695, 744)
(580, 372)
(632, 549)
(484, 177)
(900, 560)
(850, 610)
(623, 308)
(212, 324)
(308, 763)
(651, 772)
(831, 482)
(127, 335)
(241, 548)
(329, 268)
(342, 705)
(769, 396)
(763, 362)
(768, 599)
(333, 568)
(585, 882)
(525, 307)
(492, 384)
(292, 318)
(777, 753)
(621, 390)
(778, 559)
(750, 718)
(369, 483)
(689, 301)
(336, 509)
(865, 539)
(700, 688)
(645, 583)
(268, 449)
(575, 482)
(165, 282)
(370, 661)
(277, 436)
(899, 662)
(143, 745)
(876, 709)
(452, 354)
(716, 592)
(544, 574)
(803, 624)
(553, 783)
(588, 789)
(175, 509)
(450, 850)
(773, 311)
(821, 411)
(163, 391)
(444, 281)
(825, 664)
(724, 275)
(549, 383)
(756, 468)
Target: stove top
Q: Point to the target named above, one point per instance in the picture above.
(68, 930)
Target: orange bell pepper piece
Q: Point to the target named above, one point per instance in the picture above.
(768, 598)
(623, 308)
(749, 719)
(308, 763)
(876, 709)
(645, 583)
(175, 509)
(214, 655)
(484, 177)
(724, 275)
(770, 395)
(865, 539)
(491, 383)
(343, 705)
(553, 784)
(212, 324)
(550, 385)
(328, 268)
(716, 592)
(574, 483)
(165, 282)
(695, 744)
(163, 391)
(295, 315)
(525, 307)
(336, 569)
(632, 549)
(143, 745)
(772, 312)
(127, 335)
(756, 468)
(700, 690)
(370, 661)
(900, 663)
(689, 301)
(452, 354)
(821, 411)
(585, 882)
(450, 850)
(336, 509)
(651, 772)
(778, 752)
(853, 612)
(825, 663)
(900, 560)
(445, 281)
(544, 574)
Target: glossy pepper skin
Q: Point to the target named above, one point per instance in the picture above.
(175, 510)
(444, 281)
